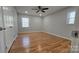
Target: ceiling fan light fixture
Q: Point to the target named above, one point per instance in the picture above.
(40, 14)
(26, 12)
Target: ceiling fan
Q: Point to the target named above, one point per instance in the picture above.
(39, 8)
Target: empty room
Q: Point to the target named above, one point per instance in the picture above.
(39, 29)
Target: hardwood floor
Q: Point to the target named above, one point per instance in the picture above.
(40, 42)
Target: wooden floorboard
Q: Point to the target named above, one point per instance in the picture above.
(40, 42)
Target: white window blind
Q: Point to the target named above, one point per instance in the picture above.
(71, 17)
(25, 22)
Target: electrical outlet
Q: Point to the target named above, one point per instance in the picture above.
(75, 34)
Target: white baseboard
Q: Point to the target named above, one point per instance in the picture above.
(30, 31)
(59, 36)
(11, 44)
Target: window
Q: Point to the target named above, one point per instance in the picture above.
(10, 20)
(71, 17)
(25, 22)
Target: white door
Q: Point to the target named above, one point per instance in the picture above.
(8, 24)
(2, 45)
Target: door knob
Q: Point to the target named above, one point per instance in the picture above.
(2, 28)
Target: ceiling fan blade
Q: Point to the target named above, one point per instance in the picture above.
(37, 11)
(45, 9)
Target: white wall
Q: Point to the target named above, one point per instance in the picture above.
(56, 23)
(35, 24)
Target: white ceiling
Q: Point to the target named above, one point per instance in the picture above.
(52, 9)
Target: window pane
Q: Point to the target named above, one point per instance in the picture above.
(25, 22)
(71, 17)
(72, 14)
(71, 21)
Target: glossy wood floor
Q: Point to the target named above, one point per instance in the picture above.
(39, 42)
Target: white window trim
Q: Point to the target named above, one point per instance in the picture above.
(24, 22)
(68, 17)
